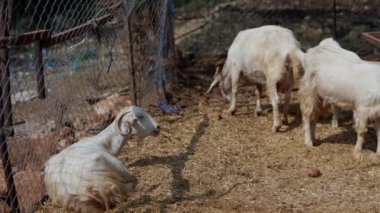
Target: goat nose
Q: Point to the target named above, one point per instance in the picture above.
(158, 127)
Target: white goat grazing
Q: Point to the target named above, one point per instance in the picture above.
(87, 176)
(265, 55)
(339, 77)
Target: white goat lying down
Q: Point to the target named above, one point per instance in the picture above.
(339, 77)
(87, 176)
(265, 55)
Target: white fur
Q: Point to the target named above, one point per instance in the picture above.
(87, 176)
(332, 45)
(264, 55)
(339, 77)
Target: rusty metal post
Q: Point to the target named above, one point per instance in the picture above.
(39, 70)
(6, 90)
(4, 68)
(171, 43)
(132, 73)
(334, 24)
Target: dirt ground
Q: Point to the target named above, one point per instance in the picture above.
(208, 161)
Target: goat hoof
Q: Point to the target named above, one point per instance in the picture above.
(231, 112)
(276, 125)
(276, 128)
(309, 145)
(358, 155)
(258, 112)
(334, 125)
(285, 122)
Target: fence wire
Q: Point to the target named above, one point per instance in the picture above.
(209, 27)
(153, 51)
(65, 73)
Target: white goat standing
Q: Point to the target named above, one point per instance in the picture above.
(265, 55)
(330, 43)
(339, 77)
(87, 176)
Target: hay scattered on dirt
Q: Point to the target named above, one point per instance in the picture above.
(236, 163)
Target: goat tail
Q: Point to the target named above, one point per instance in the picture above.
(216, 79)
(295, 63)
(309, 100)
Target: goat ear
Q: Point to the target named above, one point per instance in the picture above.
(217, 78)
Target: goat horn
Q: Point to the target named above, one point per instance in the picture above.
(118, 124)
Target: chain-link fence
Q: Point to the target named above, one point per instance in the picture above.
(66, 68)
(153, 53)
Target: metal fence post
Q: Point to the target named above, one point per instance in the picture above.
(6, 106)
(39, 70)
(132, 73)
(5, 75)
(334, 24)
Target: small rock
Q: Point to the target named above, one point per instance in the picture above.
(80, 134)
(62, 144)
(314, 172)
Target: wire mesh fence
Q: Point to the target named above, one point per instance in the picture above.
(66, 69)
(151, 36)
(211, 28)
